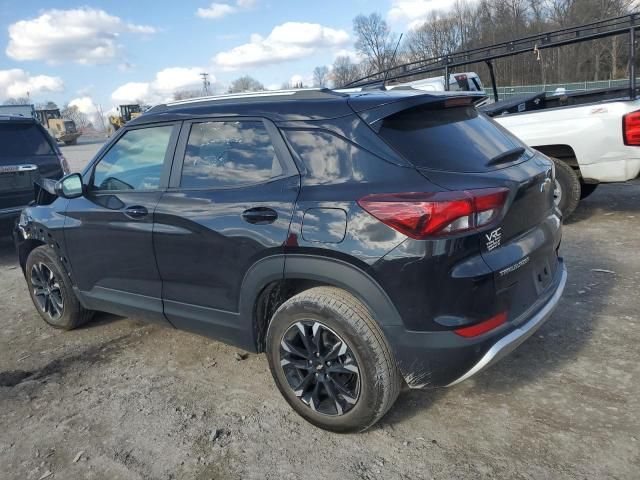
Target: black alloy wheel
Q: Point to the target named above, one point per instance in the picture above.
(320, 368)
(46, 291)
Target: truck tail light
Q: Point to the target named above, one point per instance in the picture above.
(631, 129)
(482, 327)
(440, 214)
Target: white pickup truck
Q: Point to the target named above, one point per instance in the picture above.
(593, 136)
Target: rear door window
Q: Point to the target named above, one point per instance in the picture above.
(457, 139)
(22, 140)
(224, 154)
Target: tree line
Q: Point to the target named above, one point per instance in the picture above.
(468, 25)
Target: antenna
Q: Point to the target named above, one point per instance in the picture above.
(205, 84)
(393, 58)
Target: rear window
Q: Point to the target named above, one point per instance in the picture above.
(21, 140)
(457, 139)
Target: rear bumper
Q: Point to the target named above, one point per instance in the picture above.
(513, 340)
(440, 359)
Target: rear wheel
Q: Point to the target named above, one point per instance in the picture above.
(330, 360)
(567, 188)
(51, 290)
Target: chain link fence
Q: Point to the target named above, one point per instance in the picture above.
(507, 92)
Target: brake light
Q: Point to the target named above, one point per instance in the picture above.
(631, 129)
(482, 327)
(428, 215)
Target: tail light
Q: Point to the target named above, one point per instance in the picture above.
(64, 164)
(429, 215)
(482, 327)
(631, 129)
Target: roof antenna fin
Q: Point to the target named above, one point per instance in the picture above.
(393, 59)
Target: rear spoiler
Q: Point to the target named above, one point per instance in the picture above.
(373, 109)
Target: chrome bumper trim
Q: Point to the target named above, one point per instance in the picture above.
(510, 342)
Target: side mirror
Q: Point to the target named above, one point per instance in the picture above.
(70, 186)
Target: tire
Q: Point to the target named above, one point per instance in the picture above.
(71, 142)
(567, 191)
(364, 380)
(45, 273)
(587, 189)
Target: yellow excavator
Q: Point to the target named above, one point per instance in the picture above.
(127, 113)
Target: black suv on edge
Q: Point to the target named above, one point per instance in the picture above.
(359, 239)
(27, 153)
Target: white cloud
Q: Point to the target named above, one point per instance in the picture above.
(83, 35)
(289, 41)
(162, 87)
(410, 11)
(18, 83)
(219, 10)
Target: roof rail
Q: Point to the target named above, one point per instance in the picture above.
(301, 92)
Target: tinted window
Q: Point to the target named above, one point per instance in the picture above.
(327, 157)
(135, 161)
(454, 139)
(228, 154)
(22, 139)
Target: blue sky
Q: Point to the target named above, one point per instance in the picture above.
(108, 52)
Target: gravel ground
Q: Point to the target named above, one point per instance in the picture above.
(122, 399)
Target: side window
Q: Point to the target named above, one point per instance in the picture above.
(228, 154)
(327, 157)
(135, 161)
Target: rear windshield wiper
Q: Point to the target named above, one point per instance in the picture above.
(507, 156)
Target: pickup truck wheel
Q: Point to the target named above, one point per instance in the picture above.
(330, 360)
(587, 189)
(567, 188)
(51, 290)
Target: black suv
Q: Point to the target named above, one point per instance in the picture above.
(361, 240)
(27, 154)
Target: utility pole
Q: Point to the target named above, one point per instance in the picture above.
(206, 84)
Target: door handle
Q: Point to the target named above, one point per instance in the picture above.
(260, 215)
(136, 212)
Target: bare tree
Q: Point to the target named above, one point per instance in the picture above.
(344, 72)
(374, 40)
(72, 112)
(245, 84)
(48, 105)
(17, 101)
(320, 76)
(185, 94)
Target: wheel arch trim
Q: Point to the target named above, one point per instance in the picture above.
(326, 270)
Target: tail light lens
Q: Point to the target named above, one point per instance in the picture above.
(428, 215)
(631, 129)
(482, 327)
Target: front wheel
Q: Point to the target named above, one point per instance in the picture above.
(51, 290)
(330, 360)
(566, 192)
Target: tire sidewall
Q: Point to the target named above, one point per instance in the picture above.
(570, 185)
(47, 257)
(369, 401)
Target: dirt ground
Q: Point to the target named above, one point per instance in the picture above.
(122, 399)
